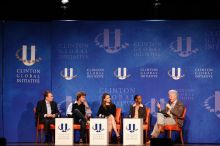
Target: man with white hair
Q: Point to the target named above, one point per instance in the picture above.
(174, 110)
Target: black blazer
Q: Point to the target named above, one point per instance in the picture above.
(141, 112)
(42, 109)
(109, 110)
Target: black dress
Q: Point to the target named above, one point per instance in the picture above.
(109, 110)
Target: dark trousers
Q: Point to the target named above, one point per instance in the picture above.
(79, 118)
(47, 131)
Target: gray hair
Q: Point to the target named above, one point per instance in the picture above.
(172, 91)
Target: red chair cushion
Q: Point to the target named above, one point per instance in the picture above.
(172, 127)
(40, 126)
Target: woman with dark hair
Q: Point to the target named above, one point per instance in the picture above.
(108, 109)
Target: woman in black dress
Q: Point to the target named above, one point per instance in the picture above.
(108, 109)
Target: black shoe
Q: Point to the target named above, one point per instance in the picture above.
(84, 140)
(118, 139)
(46, 139)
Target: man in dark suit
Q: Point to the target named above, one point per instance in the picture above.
(138, 110)
(47, 111)
(174, 110)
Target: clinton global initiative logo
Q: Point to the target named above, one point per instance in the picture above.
(102, 40)
(212, 103)
(63, 127)
(131, 128)
(177, 47)
(121, 76)
(95, 73)
(68, 74)
(175, 75)
(149, 72)
(204, 73)
(22, 55)
(212, 41)
(97, 128)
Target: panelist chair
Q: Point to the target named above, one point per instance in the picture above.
(40, 129)
(78, 127)
(176, 127)
(146, 125)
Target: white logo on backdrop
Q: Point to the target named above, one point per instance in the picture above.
(103, 41)
(177, 47)
(23, 57)
(66, 75)
(118, 73)
(172, 73)
(209, 101)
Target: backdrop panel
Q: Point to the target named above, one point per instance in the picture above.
(27, 74)
(1, 100)
(126, 58)
(122, 58)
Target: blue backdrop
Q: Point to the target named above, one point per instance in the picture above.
(123, 58)
(1, 121)
(24, 82)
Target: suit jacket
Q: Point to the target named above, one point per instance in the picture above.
(141, 112)
(177, 112)
(42, 109)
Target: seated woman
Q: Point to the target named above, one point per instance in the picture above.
(108, 109)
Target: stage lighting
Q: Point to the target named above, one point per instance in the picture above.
(64, 4)
(157, 3)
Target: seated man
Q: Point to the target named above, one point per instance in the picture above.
(47, 111)
(78, 112)
(138, 110)
(174, 109)
(87, 109)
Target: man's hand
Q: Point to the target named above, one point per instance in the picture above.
(168, 106)
(158, 106)
(86, 104)
(51, 116)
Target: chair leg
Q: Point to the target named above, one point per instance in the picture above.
(147, 138)
(41, 136)
(169, 133)
(37, 136)
(181, 137)
(87, 136)
(53, 136)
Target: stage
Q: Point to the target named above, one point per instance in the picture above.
(35, 144)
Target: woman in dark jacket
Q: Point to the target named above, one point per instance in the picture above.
(108, 109)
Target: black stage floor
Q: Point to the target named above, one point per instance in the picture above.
(35, 144)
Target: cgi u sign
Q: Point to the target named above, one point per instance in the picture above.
(66, 75)
(63, 127)
(131, 128)
(118, 73)
(103, 41)
(24, 57)
(98, 127)
(172, 73)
